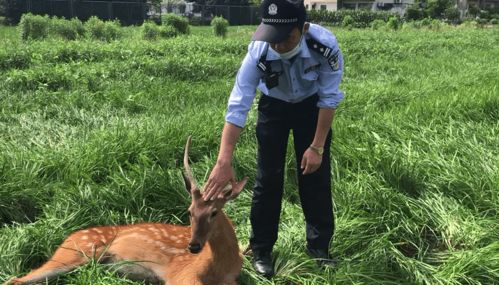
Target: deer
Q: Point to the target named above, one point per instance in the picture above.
(204, 253)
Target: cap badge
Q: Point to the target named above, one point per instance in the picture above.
(273, 9)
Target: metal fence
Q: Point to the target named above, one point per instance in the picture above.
(202, 14)
(131, 12)
(128, 12)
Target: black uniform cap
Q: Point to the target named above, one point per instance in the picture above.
(279, 18)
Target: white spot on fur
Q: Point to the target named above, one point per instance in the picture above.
(174, 251)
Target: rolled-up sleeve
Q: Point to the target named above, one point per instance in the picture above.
(329, 85)
(243, 93)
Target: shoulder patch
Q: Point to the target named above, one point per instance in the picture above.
(328, 53)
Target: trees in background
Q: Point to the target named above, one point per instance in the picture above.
(436, 9)
(450, 10)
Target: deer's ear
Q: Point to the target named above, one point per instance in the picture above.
(236, 189)
(196, 194)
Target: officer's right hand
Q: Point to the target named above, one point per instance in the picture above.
(221, 175)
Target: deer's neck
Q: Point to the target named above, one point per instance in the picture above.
(223, 255)
(223, 240)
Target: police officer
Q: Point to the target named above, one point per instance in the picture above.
(297, 66)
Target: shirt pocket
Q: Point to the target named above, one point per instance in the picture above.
(310, 75)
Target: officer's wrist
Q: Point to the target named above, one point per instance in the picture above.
(317, 149)
(222, 162)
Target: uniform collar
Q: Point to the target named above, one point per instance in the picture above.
(304, 51)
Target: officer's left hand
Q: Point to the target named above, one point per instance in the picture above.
(311, 161)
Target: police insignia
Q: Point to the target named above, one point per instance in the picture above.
(273, 9)
(334, 61)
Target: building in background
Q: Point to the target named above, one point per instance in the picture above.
(330, 5)
(398, 6)
(355, 4)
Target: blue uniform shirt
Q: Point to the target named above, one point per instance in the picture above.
(309, 73)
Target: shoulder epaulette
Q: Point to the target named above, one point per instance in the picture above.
(327, 52)
(263, 64)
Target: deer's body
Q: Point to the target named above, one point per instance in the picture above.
(145, 252)
(205, 253)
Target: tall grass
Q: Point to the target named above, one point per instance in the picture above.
(92, 132)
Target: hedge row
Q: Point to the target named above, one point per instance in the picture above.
(219, 25)
(357, 18)
(35, 27)
(366, 18)
(173, 25)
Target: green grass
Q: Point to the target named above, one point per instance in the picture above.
(92, 133)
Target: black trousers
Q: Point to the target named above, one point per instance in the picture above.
(276, 118)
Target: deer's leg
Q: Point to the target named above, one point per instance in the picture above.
(62, 262)
(72, 253)
(39, 276)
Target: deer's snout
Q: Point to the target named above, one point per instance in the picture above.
(194, 248)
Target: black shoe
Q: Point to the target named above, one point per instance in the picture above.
(262, 263)
(323, 257)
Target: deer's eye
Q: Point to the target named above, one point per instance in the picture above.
(214, 214)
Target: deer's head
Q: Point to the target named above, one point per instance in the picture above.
(204, 214)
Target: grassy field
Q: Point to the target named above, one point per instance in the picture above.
(92, 133)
